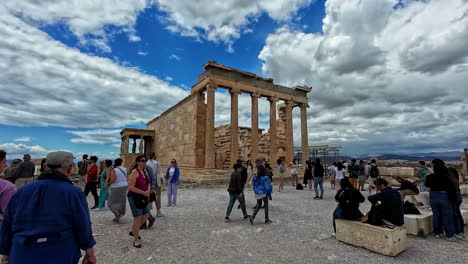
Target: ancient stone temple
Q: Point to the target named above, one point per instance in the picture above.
(186, 132)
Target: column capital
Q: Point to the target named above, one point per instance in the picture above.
(210, 86)
(304, 105)
(255, 95)
(235, 91)
(273, 99)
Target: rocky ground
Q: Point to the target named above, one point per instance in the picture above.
(195, 232)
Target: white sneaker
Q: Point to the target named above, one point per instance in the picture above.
(460, 236)
(438, 236)
(451, 239)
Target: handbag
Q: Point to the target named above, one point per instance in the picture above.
(140, 201)
(152, 197)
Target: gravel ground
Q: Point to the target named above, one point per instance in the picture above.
(195, 232)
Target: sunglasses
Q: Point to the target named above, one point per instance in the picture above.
(173, 162)
(142, 161)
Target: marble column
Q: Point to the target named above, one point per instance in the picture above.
(273, 132)
(254, 118)
(304, 134)
(234, 125)
(289, 132)
(209, 131)
(142, 143)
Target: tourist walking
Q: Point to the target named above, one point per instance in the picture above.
(152, 197)
(83, 167)
(361, 175)
(7, 189)
(442, 208)
(91, 181)
(390, 200)
(281, 170)
(456, 199)
(263, 190)
(308, 174)
(250, 170)
(348, 199)
(318, 178)
(155, 186)
(340, 174)
(332, 173)
(26, 169)
(421, 172)
(236, 192)
(118, 183)
(172, 177)
(353, 169)
(139, 190)
(104, 179)
(47, 221)
(293, 171)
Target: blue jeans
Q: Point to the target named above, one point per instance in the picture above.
(338, 214)
(442, 214)
(318, 181)
(458, 217)
(232, 200)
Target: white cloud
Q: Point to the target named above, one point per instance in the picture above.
(16, 151)
(174, 57)
(87, 19)
(96, 136)
(223, 21)
(384, 79)
(54, 85)
(142, 53)
(168, 78)
(23, 139)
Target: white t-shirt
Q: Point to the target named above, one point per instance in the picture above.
(120, 177)
(171, 171)
(339, 173)
(293, 168)
(154, 164)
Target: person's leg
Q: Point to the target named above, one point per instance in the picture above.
(137, 221)
(320, 179)
(174, 193)
(434, 199)
(458, 217)
(94, 193)
(257, 208)
(102, 198)
(337, 184)
(87, 189)
(232, 200)
(337, 214)
(169, 194)
(242, 205)
(265, 201)
(281, 182)
(447, 216)
(309, 184)
(316, 182)
(158, 199)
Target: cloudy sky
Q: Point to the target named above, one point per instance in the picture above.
(388, 76)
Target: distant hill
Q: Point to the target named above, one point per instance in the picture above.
(446, 156)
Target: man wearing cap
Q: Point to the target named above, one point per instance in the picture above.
(26, 168)
(47, 221)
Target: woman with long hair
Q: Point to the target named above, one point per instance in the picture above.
(104, 179)
(138, 188)
(348, 199)
(442, 210)
(172, 176)
(308, 174)
(263, 190)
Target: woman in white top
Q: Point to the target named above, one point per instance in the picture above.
(340, 173)
(118, 183)
(293, 170)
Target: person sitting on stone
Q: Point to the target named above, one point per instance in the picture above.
(348, 199)
(390, 199)
(407, 188)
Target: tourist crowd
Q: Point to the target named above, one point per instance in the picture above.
(48, 220)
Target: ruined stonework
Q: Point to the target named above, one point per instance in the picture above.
(180, 132)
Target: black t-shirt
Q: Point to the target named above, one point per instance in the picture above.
(438, 183)
(243, 175)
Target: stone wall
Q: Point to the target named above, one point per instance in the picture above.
(180, 132)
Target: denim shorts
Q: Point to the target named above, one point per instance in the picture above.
(362, 178)
(137, 212)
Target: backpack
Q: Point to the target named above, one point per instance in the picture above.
(410, 208)
(375, 215)
(299, 187)
(374, 171)
(82, 168)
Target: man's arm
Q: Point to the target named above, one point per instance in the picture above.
(152, 176)
(375, 198)
(81, 221)
(7, 229)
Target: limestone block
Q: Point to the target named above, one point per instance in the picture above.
(464, 189)
(389, 242)
(464, 213)
(419, 224)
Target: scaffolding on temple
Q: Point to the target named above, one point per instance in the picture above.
(327, 155)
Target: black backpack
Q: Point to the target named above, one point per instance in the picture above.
(410, 208)
(375, 215)
(299, 187)
(374, 171)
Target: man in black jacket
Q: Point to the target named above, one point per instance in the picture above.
(26, 169)
(236, 192)
(390, 200)
(407, 188)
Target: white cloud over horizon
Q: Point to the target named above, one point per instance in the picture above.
(382, 77)
(23, 139)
